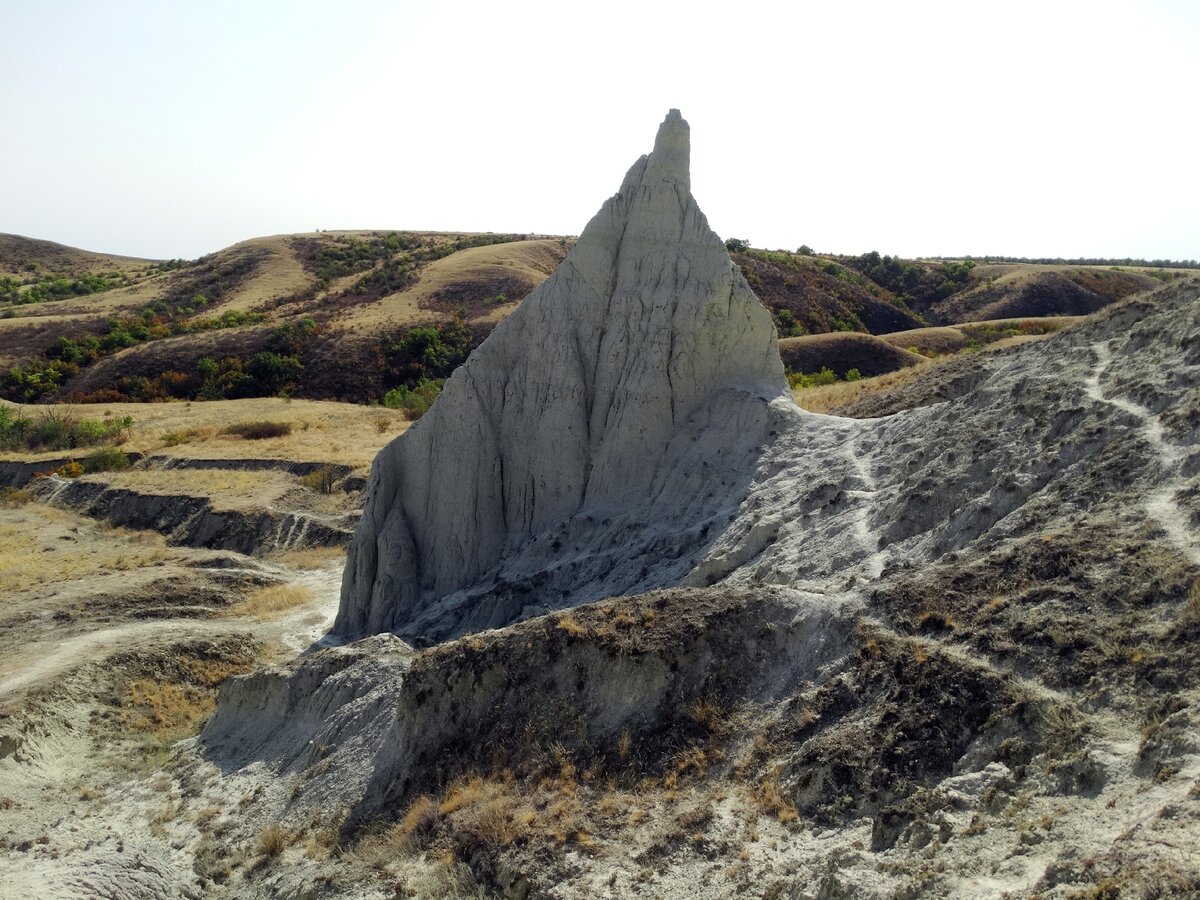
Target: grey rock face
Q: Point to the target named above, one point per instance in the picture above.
(592, 443)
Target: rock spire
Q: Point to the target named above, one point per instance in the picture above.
(588, 446)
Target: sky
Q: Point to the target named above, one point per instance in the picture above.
(1047, 128)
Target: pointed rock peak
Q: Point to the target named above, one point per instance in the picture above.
(624, 401)
(671, 159)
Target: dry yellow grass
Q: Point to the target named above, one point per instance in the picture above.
(41, 545)
(164, 710)
(771, 798)
(532, 261)
(322, 431)
(271, 601)
(278, 274)
(273, 840)
(310, 558)
(215, 483)
(828, 397)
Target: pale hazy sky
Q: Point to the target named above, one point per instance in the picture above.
(171, 129)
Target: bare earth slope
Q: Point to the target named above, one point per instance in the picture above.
(961, 665)
(942, 652)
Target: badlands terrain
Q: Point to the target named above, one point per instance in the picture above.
(711, 572)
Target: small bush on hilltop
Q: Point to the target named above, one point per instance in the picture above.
(817, 379)
(106, 459)
(257, 431)
(321, 481)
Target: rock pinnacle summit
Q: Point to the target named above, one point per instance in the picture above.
(573, 454)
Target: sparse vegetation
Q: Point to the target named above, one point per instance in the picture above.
(414, 401)
(310, 557)
(11, 497)
(272, 841)
(106, 459)
(165, 711)
(322, 480)
(273, 600)
(802, 380)
(259, 431)
(59, 429)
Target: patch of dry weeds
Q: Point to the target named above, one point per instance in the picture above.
(310, 557)
(41, 545)
(273, 600)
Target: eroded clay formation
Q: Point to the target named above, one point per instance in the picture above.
(588, 446)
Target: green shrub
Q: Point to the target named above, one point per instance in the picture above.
(321, 481)
(427, 352)
(60, 429)
(106, 459)
(91, 432)
(812, 379)
(12, 428)
(853, 375)
(786, 324)
(257, 431)
(272, 372)
(414, 401)
(737, 245)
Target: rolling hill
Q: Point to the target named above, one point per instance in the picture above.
(350, 315)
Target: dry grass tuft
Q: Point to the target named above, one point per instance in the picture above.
(12, 498)
(166, 711)
(272, 841)
(771, 798)
(271, 601)
(570, 625)
(187, 436)
(708, 713)
(1191, 607)
(310, 557)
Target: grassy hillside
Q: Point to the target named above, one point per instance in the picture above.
(344, 315)
(354, 315)
(1014, 290)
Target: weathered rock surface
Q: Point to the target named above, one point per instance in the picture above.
(928, 621)
(193, 521)
(591, 445)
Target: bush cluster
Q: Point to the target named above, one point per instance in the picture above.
(58, 287)
(321, 480)
(257, 431)
(414, 401)
(59, 429)
(913, 283)
(162, 318)
(818, 379)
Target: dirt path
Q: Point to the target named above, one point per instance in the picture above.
(295, 632)
(1159, 504)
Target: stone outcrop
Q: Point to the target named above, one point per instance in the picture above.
(592, 444)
